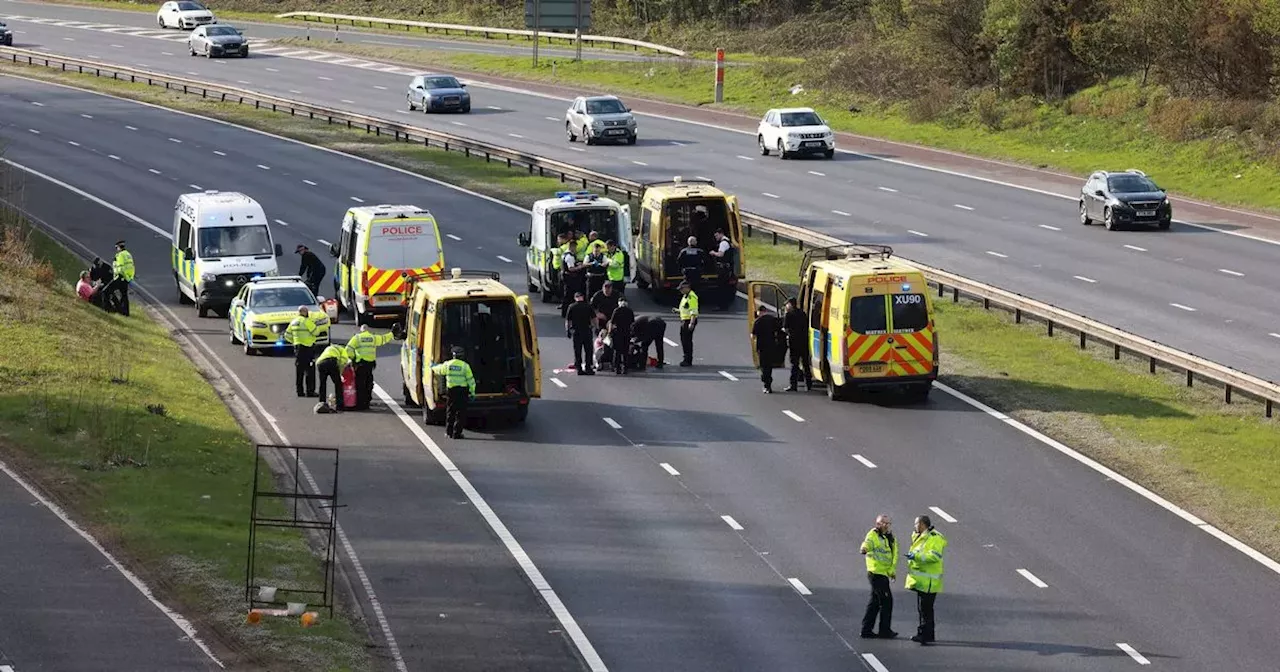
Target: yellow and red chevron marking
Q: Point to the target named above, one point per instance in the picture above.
(915, 359)
(388, 281)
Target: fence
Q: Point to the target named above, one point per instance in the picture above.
(1157, 355)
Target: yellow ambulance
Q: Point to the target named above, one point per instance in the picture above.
(378, 244)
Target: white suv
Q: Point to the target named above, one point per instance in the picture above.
(795, 130)
(184, 14)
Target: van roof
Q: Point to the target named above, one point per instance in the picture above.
(368, 212)
(225, 208)
(872, 266)
(219, 198)
(679, 187)
(485, 284)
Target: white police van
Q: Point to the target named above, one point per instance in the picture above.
(578, 210)
(221, 240)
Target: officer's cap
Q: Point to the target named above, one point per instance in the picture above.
(119, 243)
(685, 285)
(457, 350)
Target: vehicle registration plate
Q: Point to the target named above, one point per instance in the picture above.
(875, 367)
(616, 131)
(813, 144)
(1146, 213)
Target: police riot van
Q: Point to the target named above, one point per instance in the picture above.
(582, 211)
(379, 245)
(221, 240)
(672, 212)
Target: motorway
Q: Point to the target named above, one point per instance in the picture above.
(1192, 288)
(684, 520)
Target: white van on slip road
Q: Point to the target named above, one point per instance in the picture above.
(221, 240)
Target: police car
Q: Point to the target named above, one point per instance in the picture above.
(262, 310)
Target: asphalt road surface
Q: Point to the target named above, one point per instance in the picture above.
(618, 488)
(1191, 288)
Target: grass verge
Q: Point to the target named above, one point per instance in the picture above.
(1215, 460)
(122, 429)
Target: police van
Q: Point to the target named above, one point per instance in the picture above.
(582, 211)
(672, 212)
(379, 244)
(221, 240)
(870, 319)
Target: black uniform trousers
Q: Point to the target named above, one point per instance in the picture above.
(686, 340)
(329, 371)
(924, 605)
(881, 603)
(571, 283)
(766, 366)
(583, 349)
(456, 414)
(304, 366)
(364, 384)
(621, 348)
(801, 364)
(658, 345)
(595, 282)
(116, 296)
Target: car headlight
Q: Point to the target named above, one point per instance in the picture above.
(272, 273)
(208, 277)
(259, 325)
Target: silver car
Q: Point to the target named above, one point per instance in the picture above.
(599, 118)
(220, 40)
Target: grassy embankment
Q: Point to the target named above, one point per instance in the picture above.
(1215, 460)
(121, 429)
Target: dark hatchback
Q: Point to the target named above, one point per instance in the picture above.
(1123, 200)
(434, 93)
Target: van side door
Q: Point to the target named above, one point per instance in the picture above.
(529, 346)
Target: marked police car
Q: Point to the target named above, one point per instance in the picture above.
(262, 310)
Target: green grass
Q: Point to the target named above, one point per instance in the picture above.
(1216, 460)
(108, 415)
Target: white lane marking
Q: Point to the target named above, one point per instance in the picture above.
(670, 342)
(69, 39)
(765, 193)
(219, 153)
(733, 524)
(612, 423)
(349, 102)
(516, 135)
(677, 144)
(457, 123)
(281, 222)
(1136, 248)
(669, 469)
(1274, 334)
(37, 104)
(175, 140)
(917, 233)
(87, 116)
(1133, 653)
(699, 177)
(1179, 306)
(874, 662)
(745, 158)
(574, 149)
(154, 171)
(888, 189)
(34, 131)
(380, 88)
(1116, 477)
(450, 236)
(1084, 279)
(997, 254)
(324, 242)
(113, 157)
(73, 143)
(327, 79)
(814, 172)
(196, 187)
(865, 462)
(271, 70)
(942, 514)
(799, 586)
(1051, 228)
(504, 259)
(1035, 580)
(551, 118)
(118, 46)
(166, 53)
(842, 213)
(357, 200)
(132, 128)
(639, 163)
(6, 668)
(558, 382)
(963, 207)
(243, 81)
(728, 375)
(793, 416)
(309, 182)
(264, 167)
(1228, 271)
(295, 92)
(493, 107)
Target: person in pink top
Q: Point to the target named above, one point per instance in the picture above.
(84, 288)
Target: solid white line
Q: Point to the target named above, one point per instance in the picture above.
(917, 233)
(175, 140)
(324, 242)
(1051, 228)
(733, 524)
(612, 423)
(874, 662)
(669, 469)
(1179, 306)
(219, 153)
(888, 189)
(196, 187)
(264, 167)
(842, 213)
(1136, 248)
(942, 514)
(997, 254)
(309, 182)
(963, 207)
(865, 462)
(728, 375)
(799, 586)
(639, 163)
(281, 222)
(357, 200)
(793, 416)
(558, 382)
(1084, 279)
(745, 158)
(37, 104)
(1274, 334)
(1228, 271)
(769, 194)
(814, 172)
(1035, 581)
(1133, 653)
(154, 171)
(504, 259)
(73, 143)
(452, 237)
(670, 342)
(515, 135)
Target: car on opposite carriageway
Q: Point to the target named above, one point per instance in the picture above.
(437, 93)
(1124, 199)
(221, 40)
(597, 118)
(184, 14)
(6, 35)
(795, 130)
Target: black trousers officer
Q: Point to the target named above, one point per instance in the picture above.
(801, 364)
(572, 283)
(364, 384)
(595, 282)
(924, 605)
(116, 296)
(456, 413)
(686, 341)
(621, 337)
(880, 603)
(329, 371)
(653, 333)
(583, 350)
(304, 366)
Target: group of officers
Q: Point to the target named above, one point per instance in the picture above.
(774, 337)
(924, 576)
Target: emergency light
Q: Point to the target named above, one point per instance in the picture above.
(571, 196)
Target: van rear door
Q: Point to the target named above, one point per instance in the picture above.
(911, 331)
(529, 344)
(400, 245)
(869, 352)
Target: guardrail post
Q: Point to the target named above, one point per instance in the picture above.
(775, 237)
(606, 190)
(1152, 366)
(1017, 316)
(749, 228)
(986, 303)
(1190, 376)
(584, 183)
(1050, 327)
(955, 295)
(1228, 395)
(1268, 408)
(1082, 340)
(1117, 352)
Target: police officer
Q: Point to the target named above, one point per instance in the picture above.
(557, 262)
(881, 549)
(121, 275)
(311, 268)
(573, 278)
(578, 321)
(924, 574)
(688, 311)
(595, 265)
(461, 389)
(650, 330)
(580, 242)
(691, 262)
(302, 331)
(364, 348)
(329, 365)
(620, 324)
(765, 333)
(725, 278)
(796, 325)
(616, 267)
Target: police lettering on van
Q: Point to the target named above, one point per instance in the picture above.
(378, 246)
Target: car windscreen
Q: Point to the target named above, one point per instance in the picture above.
(867, 315)
(601, 220)
(220, 30)
(441, 83)
(910, 312)
(265, 298)
(605, 107)
(234, 241)
(403, 245)
(190, 7)
(1130, 184)
(801, 119)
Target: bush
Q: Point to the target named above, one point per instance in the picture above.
(932, 105)
(988, 109)
(1174, 119)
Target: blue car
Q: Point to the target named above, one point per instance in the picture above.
(438, 93)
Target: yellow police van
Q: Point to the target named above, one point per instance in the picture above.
(580, 211)
(870, 319)
(378, 244)
(495, 329)
(673, 211)
(221, 240)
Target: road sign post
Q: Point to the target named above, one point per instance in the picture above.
(561, 16)
(719, 75)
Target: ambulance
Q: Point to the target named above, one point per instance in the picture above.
(494, 327)
(870, 320)
(221, 240)
(378, 245)
(670, 213)
(580, 210)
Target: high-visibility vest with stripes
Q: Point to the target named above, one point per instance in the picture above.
(122, 265)
(924, 567)
(688, 306)
(557, 256)
(335, 352)
(617, 268)
(457, 373)
(365, 345)
(302, 331)
(882, 554)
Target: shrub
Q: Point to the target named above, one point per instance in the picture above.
(988, 110)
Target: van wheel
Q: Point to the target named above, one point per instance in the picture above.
(182, 297)
(362, 318)
(919, 393)
(202, 310)
(522, 414)
(834, 392)
(432, 417)
(408, 399)
(528, 281)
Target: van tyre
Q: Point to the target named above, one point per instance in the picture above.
(182, 297)
(432, 417)
(919, 393)
(202, 310)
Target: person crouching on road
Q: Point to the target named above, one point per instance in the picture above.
(302, 331)
(881, 549)
(329, 365)
(650, 330)
(364, 346)
(924, 574)
(461, 389)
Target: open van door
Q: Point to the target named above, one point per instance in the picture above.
(529, 344)
(735, 237)
(624, 237)
(762, 295)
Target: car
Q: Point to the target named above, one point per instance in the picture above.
(262, 310)
(597, 118)
(438, 93)
(1121, 199)
(795, 130)
(218, 40)
(6, 35)
(184, 15)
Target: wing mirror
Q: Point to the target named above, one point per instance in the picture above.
(523, 239)
(279, 250)
(635, 229)
(333, 250)
(462, 86)
(418, 87)
(188, 253)
(1099, 193)
(237, 302)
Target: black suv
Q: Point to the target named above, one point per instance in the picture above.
(1124, 199)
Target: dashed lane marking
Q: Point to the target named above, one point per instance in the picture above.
(888, 189)
(1228, 271)
(963, 207)
(865, 462)
(612, 423)
(219, 153)
(37, 104)
(814, 172)
(997, 254)
(942, 514)
(917, 233)
(196, 187)
(153, 170)
(769, 195)
(309, 182)
(1035, 580)
(670, 342)
(874, 662)
(733, 524)
(669, 469)
(842, 213)
(799, 586)
(450, 236)
(504, 259)
(558, 382)
(73, 143)
(1051, 228)
(728, 375)
(324, 242)
(1133, 653)
(1135, 248)
(745, 158)
(281, 222)
(264, 167)
(1084, 279)
(357, 200)
(793, 416)
(1179, 306)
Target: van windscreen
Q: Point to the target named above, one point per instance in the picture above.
(234, 241)
(867, 314)
(601, 220)
(910, 312)
(403, 245)
(487, 331)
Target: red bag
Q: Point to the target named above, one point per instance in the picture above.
(348, 387)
